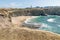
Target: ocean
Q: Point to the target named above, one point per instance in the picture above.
(48, 23)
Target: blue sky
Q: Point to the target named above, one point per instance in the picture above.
(28, 3)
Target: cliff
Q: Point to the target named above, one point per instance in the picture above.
(31, 11)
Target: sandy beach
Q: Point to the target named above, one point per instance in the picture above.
(19, 20)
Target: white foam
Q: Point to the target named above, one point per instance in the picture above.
(51, 20)
(44, 25)
(28, 20)
(58, 25)
(36, 24)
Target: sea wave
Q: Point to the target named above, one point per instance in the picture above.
(49, 23)
(29, 19)
(51, 20)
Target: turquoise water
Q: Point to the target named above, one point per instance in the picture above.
(49, 23)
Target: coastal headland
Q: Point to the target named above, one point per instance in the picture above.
(11, 29)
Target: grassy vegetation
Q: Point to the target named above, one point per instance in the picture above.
(17, 33)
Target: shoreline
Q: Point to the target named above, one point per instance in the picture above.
(25, 19)
(32, 26)
(19, 20)
(30, 19)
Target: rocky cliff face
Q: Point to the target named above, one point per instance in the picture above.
(23, 12)
(30, 11)
(27, 12)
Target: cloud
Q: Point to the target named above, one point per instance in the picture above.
(12, 5)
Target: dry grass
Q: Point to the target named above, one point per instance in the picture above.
(26, 34)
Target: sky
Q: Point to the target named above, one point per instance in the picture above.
(28, 3)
